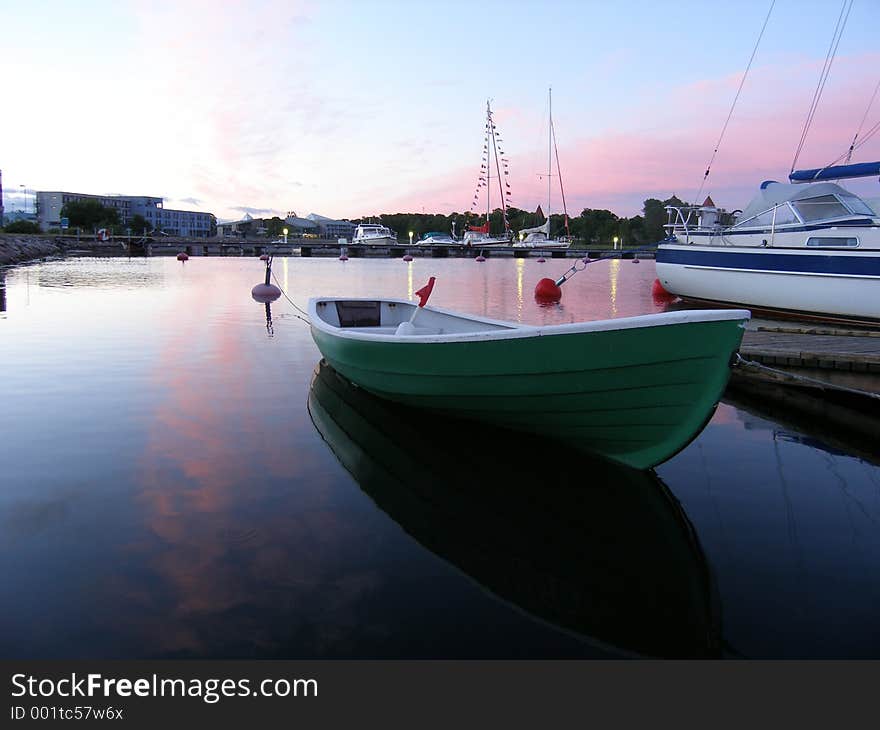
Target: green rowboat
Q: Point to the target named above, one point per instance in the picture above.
(635, 390)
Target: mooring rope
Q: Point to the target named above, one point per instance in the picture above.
(292, 303)
(741, 362)
(585, 261)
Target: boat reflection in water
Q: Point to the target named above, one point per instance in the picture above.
(598, 549)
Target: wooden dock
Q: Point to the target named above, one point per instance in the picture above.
(806, 346)
(819, 357)
(825, 376)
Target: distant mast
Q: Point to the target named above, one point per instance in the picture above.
(553, 150)
(549, 153)
(490, 133)
(490, 150)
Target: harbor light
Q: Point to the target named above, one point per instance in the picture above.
(410, 238)
(285, 235)
(615, 243)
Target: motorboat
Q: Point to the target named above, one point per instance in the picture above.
(373, 234)
(436, 237)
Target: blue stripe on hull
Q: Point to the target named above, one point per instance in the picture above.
(796, 262)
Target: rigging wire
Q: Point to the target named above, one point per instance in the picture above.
(842, 17)
(865, 138)
(735, 99)
(852, 145)
(559, 173)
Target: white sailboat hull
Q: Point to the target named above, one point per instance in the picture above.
(818, 283)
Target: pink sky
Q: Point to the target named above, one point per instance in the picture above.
(348, 110)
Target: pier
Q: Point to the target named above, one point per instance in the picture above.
(815, 347)
(319, 248)
(825, 373)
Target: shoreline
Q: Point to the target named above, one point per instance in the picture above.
(17, 248)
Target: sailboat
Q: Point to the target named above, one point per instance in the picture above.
(807, 248)
(539, 236)
(480, 236)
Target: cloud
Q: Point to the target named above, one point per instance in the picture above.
(662, 151)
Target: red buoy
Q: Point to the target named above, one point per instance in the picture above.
(480, 258)
(407, 258)
(548, 290)
(660, 295)
(264, 257)
(541, 260)
(182, 256)
(657, 288)
(343, 258)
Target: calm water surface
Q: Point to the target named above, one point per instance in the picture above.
(178, 480)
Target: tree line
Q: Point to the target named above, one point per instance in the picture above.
(592, 227)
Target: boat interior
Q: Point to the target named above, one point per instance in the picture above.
(401, 318)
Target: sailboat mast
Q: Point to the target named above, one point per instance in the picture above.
(500, 182)
(549, 151)
(488, 160)
(559, 172)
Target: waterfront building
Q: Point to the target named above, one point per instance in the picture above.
(247, 227)
(312, 226)
(299, 227)
(186, 223)
(189, 224)
(331, 228)
(250, 227)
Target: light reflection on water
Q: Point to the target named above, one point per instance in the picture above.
(165, 491)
